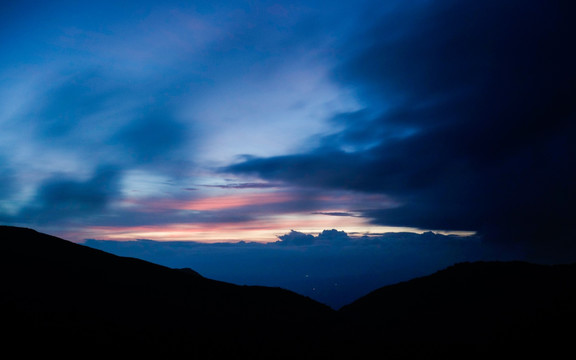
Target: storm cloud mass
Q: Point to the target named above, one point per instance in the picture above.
(467, 122)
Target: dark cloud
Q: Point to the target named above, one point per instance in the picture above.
(330, 169)
(326, 237)
(469, 122)
(67, 200)
(296, 238)
(333, 237)
(335, 213)
(154, 137)
(249, 185)
(106, 121)
(159, 217)
(87, 119)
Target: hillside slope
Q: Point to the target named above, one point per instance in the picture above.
(54, 289)
(57, 294)
(481, 302)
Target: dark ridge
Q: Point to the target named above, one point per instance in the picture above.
(57, 295)
(481, 302)
(190, 272)
(53, 289)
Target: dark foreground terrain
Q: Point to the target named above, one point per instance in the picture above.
(57, 296)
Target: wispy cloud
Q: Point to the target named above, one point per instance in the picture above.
(153, 91)
(336, 213)
(250, 185)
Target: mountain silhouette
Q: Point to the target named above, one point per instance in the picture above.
(53, 289)
(480, 302)
(61, 294)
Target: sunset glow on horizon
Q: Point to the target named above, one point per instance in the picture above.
(265, 230)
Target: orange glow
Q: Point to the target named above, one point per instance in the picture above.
(233, 201)
(212, 203)
(266, 229)
(191, 232)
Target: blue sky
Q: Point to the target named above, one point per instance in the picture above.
(216, 121)
(112, 111)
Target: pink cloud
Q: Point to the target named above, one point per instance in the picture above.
(234, 201)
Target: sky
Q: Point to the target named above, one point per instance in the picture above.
(244, 120)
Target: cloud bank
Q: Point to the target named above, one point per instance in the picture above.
(468, 122)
